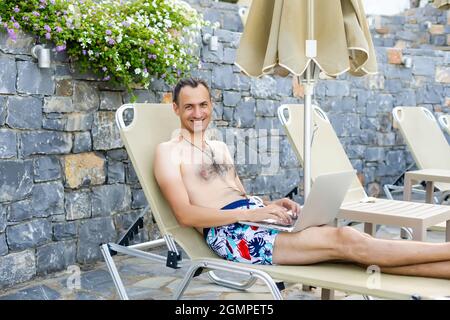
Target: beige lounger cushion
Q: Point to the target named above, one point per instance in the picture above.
(327, 153)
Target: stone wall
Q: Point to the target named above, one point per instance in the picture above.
(67, 184)
(425, 27)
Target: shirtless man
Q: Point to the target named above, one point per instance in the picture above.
(198, 179)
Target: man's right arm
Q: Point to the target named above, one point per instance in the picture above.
(168, 175)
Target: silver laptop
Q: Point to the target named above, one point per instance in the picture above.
(322, 205)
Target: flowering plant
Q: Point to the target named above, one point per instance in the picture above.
(125, 41)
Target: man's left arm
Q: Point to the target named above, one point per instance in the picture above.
(284, 202)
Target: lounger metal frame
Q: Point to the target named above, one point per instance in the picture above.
(444, 121)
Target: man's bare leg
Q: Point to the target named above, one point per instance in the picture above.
(432, 269)
(319, 244)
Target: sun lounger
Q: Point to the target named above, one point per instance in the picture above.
(425, 141)
(328, 155)
(154, 123)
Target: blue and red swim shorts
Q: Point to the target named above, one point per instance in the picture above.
(239, 242)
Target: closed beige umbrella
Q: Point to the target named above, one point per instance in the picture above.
(275, 32)
(442, 4)
(277, 40)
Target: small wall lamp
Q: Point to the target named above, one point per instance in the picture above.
(407, 62)
(42, 54)
(212, 41)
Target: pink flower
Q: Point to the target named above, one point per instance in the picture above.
(16, 9)
(12, 35)
(58, 29)
(48, 36)
(47, 28)
(36, 14)
(111, 41)
(60, 48)
(108, 32)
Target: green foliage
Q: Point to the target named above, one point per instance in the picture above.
(125, 41)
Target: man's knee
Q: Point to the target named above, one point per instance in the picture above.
(351, 242)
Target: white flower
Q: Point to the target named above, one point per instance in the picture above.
(90, 52)
(127, 64)
(168, 23)
(119, 68)
(137, 70)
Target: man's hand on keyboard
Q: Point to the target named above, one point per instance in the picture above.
(272, 211)
(289, 212)
(290, 205)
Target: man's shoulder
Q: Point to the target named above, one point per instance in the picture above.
(172, 143)
(218, 144)
(166, 146)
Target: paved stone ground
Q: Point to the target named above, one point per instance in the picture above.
(153, 281)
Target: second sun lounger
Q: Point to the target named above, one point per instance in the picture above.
(425, 141)
(328, 155)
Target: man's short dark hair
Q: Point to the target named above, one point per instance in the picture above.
(191, 82)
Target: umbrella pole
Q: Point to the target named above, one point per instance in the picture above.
(307, 137)
(311, 52)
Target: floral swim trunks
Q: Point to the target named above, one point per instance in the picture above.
(239, 242)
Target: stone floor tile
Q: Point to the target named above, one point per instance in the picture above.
(39, 292)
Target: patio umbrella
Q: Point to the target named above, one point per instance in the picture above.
(442, 4)
(304, 37)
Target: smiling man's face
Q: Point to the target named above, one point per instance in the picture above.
(194, 108)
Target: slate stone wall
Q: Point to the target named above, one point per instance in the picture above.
(67, 184)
